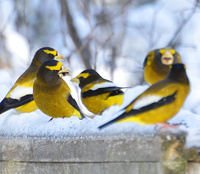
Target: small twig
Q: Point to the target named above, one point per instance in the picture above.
(84, 53)
(100, 46)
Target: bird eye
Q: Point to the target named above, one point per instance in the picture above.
(81, 78)
(55, 71)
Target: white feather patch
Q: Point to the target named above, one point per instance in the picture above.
(146, 100)
(20, 91)
(103, 85)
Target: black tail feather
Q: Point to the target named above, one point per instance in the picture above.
(3, 108)
(124, 115)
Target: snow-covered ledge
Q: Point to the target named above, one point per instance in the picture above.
(92, 155)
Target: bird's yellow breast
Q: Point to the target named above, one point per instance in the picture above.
(153, 74)
(53, 102)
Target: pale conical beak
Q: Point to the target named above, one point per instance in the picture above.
(75, 80)
(64, 72)
(59, 57)
(167, 58)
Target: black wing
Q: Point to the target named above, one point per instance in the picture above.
(75, 105)
(9, 103)
(161, 102)
(114, 91)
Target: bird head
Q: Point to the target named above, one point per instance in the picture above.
(178, 73)
(51, 71)
(86, 77)
(44, 54)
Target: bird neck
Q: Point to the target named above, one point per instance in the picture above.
(179, 76)
(50, 81)
(160, 67)
(36, 63)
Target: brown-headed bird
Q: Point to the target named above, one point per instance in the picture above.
(160, 102)
(157, 64)
(51, 93)
(20, 96)
(97, 93)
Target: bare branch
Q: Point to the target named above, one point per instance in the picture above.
(85, 52)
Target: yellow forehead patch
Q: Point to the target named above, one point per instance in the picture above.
(57, 67)
(54, 52)
(172, 51)
(84, 75)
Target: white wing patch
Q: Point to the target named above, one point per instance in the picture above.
(103, 85)
(146, 100)
(20, 91)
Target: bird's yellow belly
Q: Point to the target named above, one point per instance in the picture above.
(97, 104)
(56, 107)
(27, 108)
(159, 115)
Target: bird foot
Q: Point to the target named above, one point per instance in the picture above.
(165, 125)
(50, 119)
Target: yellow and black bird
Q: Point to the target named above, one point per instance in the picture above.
(51, 93)
(159, 102)
(97, 93)
(20, 97)
(157, 64)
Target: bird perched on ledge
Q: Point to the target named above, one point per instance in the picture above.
(97, 93)
(51, 93)
(160, 102)
(20, 97)
(157, 64)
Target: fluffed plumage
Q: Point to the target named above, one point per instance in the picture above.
(97, 93)
(51, 93)
(159, 102)
(20, 96)
(157, 64)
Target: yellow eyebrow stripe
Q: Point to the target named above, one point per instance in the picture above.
(170, 50)
(54, 52)
(84, 75)
(56, 67)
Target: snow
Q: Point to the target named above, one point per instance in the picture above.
(36, 124)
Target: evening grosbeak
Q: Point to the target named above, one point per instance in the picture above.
(51, 93)
(97, 93)
(160, 102)
(20, 96)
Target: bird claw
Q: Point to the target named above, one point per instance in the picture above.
(165, 125)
